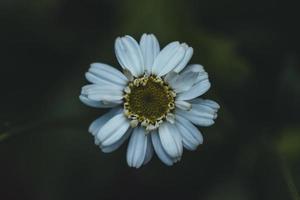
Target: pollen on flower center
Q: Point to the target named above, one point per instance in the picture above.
(148, 100)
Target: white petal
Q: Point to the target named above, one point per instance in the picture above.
(128, 75)
(187, 57)
(203, 112)
(96, 104)
(149, 150)
(196, 119)
(170, 118)
(194, 68)
(168, 58)
(99, 122)
(171, 77)
(200, 86)
(116, 145)
(191, 136)
(150, 49)
(100, 73)
(183, 105)
(183, 82)
(206, 102)
(196, 90)
(137, 147)
(97, 142)
(113, 130)
(159, 150)
(129, 55)
(106, 93)
(205, 109)
(171, 139)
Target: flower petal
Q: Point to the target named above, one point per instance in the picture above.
(200, 86)
(97, 124)
(129, 55)
(206, 102)
(196, 91)
(159, 150)
(183, 82)
(203, 112)
(187, 57)
(117, 144)
(113, 130)
(183, 105)
(105, 93)
(137, 147)
(100, 73)
(168, 58)
(171, 77)
(191, 136)
(150, 49)
(149, 150)
(171, 139)
(96, 104)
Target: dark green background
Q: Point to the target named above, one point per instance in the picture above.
(250, 50)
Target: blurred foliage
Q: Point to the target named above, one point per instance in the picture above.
(250, 50)
(289, 144)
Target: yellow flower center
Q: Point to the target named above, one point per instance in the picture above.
(148, 100)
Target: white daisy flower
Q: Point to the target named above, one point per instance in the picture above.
(155, 101)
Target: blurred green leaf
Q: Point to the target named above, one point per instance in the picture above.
(288, 144)
(3, 136)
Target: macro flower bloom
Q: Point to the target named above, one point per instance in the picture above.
(155, 101)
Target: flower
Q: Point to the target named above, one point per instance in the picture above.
(154, 102)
